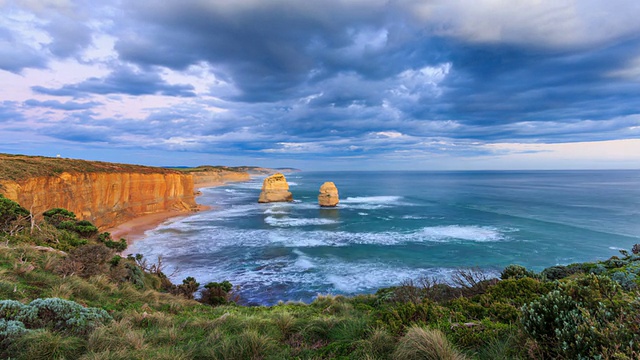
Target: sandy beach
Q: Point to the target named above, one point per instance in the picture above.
(134, 229)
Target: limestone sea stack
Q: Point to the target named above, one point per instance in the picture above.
(275, 189)
(328, 196)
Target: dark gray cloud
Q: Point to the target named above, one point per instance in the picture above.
(123, 80)
(361, 67)
(348, 78)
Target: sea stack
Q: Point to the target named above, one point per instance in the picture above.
(275, 189)
(328, 196)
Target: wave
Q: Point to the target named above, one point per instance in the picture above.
(291, 222)
(371, 199)
(471, 233)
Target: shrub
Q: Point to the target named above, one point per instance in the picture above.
(615, 262)
(216, 293)
(57, 215)
(547, 319)
(598, 269)
(10, 213)
(10, 330)
(559, 272)
(9, 309)
(86, 261)
(584, 318)
(426, 344)
(515, 292)
(106, 239)
(626, 279)
(517, 272)
(62, 316)
(186, 289)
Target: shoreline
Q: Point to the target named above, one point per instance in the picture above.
(134, 229)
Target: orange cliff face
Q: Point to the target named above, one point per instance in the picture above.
(216, 178)
(106, 199)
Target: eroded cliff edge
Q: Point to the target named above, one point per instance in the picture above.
(106, 194)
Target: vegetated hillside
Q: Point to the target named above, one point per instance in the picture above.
(90, 303)
(20, 167)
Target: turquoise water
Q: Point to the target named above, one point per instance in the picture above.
(392, 226)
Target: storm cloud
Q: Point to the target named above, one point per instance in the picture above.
(333, 79)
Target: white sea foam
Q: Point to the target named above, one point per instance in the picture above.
(235, 211)
(363, 213)
(472, 233)
(303, 261)
(289, 222)
(371, 199)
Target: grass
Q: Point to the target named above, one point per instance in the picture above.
(20, 167)
(426, 344)
(427, 321)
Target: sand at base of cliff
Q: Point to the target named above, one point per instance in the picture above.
(134, 229)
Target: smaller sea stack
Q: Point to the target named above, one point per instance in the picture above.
(275, 189)
(328, 196)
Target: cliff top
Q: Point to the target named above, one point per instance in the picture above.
(207, 168)
(18, 167)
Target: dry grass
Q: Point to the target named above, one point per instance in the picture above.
(19, 167)
(116, 336)
(63, 291)
(426, 344)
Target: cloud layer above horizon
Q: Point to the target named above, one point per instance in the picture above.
(358, 84)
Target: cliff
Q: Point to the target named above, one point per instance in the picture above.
(106, 194)
(105, 199)
(205, 176)
(275, 189)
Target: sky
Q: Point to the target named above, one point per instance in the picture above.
(324, 85)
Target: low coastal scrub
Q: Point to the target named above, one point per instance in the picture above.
(66, 293)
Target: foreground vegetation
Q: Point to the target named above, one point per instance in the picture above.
(66, 294)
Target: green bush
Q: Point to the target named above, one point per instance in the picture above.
(517, 272)
(11, 330)
(560, 272)
(584, 318)
(106, 239)
(57, 215)
(61, 315)
(10, 212)
(9, 309)
(626, 279)
(216, 293)
(186, 289)
(516, 292)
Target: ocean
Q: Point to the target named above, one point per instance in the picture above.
(393, 226)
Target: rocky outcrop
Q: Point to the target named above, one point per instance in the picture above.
(106, 199)
(275, 189)
(328, 196)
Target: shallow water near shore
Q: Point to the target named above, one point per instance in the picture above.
(392, 226)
